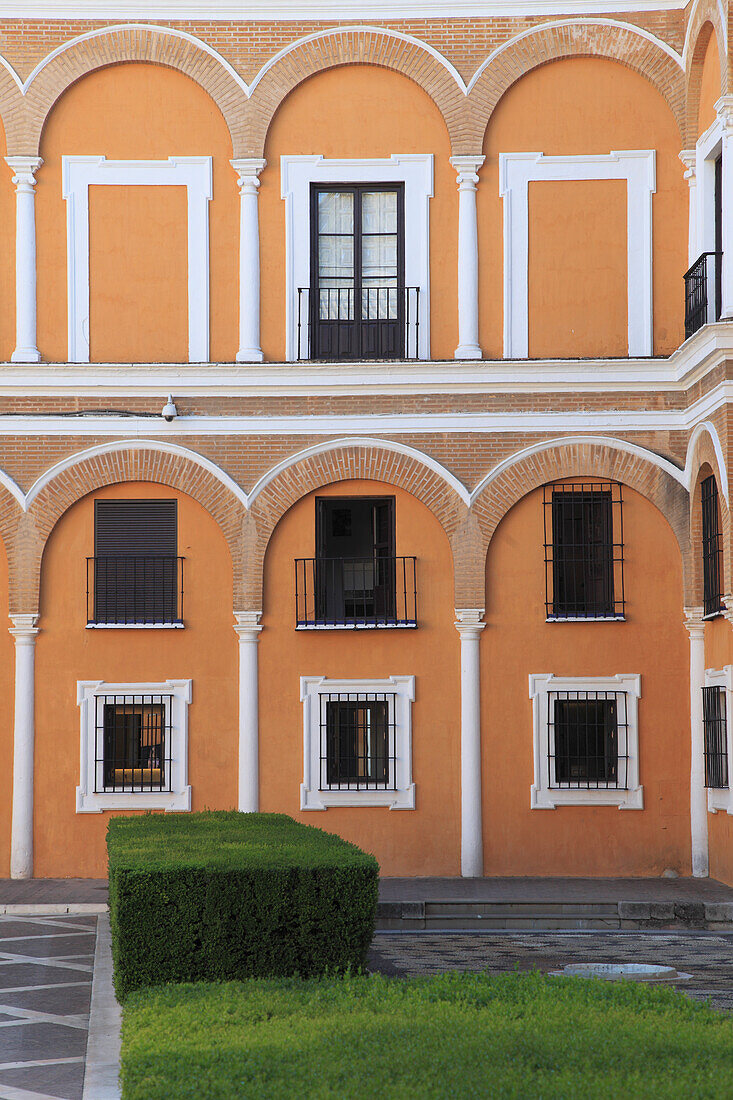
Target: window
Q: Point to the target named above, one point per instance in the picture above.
(711, 547)
(135, 577)
(357, 743)
(355, 579)
(358, 303)
(586, 741)
(134, 745)
(717, 737)
(584, 551)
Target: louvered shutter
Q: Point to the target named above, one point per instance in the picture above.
(136, 564)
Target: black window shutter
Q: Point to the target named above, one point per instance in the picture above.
(141, 527)
(135, 566)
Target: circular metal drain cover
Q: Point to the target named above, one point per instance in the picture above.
(635, 972)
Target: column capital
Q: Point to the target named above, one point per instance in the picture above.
(247, 626)
(248, 169)
(467, 171)
(24, 626)
(689, 159)
(24, 169)
(468, 621)
(694, 621)
(724, 111)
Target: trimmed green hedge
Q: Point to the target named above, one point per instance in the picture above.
(217, 896)
(504, 1037)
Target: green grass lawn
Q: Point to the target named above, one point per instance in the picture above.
(456, 1035)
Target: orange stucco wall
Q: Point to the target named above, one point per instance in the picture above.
(7, 691)
(406, 842)
(67, 843)
(517, 641)
(583, 105)
(709, 85)
(137, 111)
(360, 111)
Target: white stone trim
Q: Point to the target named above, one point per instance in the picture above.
(414, 170)
(179, 797)
(689, 44)
(469, 626)
(403, 797)
(689, 474)
(721, 798)
(81, 172)
(543, 797)
(516, 172)
(695, 626)
(708, 148)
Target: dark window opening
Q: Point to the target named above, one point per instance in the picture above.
(712, 551)
(715, 728)
(587, 740)
(357, 742)
(135, 575)
(133, 743)
(584, 551)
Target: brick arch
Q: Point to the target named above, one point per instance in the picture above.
(364, 461)
(132, 42)
(560, 458)
(705, 22)
(356, 46)
(702, 460)
(110, 465)
(13, 108)
(574, 38)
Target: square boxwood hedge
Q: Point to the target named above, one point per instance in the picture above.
(217, 896)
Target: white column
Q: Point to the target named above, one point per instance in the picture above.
(248, 631)
(469, 626)
(724, 109)
(467, 173)
(249, 260)
(698, 794)
(23, 169)
(24, 631)
(689, 159)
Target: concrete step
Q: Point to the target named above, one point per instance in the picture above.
(457, 916)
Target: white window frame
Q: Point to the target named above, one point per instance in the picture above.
(543, 797)
(516, 171)
(721, 798)
(78, 175)
(311, 690)
(179, 797)
(414, 170)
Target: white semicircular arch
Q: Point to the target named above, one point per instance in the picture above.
(568, 440)
(690, 474)
(119, 445)
(688, 44)
(560, 23)
(362, 441)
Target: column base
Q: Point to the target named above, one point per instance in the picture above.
(250, 355)
(26, 355)
(468, 351)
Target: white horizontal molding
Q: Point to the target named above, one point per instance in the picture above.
(79, 173)
(516, 171)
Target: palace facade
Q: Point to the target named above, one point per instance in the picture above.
(366, 406)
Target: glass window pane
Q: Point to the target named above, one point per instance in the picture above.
(379, 257)
(336, 258)
(335, 212)
(379, 301)
(379, 212)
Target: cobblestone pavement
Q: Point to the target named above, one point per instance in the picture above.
(707, 956)
(46, 966)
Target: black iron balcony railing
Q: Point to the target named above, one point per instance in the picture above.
(380, 322)
(128, 590)
(358, 592)
(702, 292)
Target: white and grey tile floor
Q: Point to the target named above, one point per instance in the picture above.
(46, 966)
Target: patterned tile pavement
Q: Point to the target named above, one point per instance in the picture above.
(707, 956)
(46, 966)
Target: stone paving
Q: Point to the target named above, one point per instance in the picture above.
(707, 956)
(46, 966)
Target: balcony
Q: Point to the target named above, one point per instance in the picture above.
(355, 592)
(702, 292)
(388, 326)
(132, 591)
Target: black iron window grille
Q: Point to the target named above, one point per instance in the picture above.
(587, 738)
(702, 292)
(132, 743)
(130, 589)
(368, 591)
(712, 550)
(357, 742)
(584, 551)
(716, 736)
